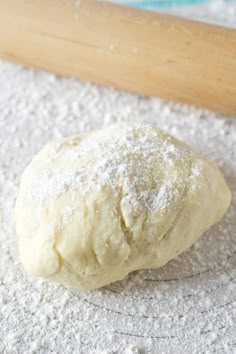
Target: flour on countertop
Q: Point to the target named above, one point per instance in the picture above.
(132, 350)
(188, 306)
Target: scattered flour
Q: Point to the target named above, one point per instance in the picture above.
(132, 349)
(116, 162)
(189, 306)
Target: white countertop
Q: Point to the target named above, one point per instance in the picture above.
(189, 306)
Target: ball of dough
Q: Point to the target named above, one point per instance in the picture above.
(93, 208)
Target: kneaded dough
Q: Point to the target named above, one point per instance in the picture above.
(94, 207)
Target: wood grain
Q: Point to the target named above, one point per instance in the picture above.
(135, 50)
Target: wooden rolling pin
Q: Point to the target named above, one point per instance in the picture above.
(135, 50)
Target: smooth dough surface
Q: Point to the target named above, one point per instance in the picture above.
(93, 208)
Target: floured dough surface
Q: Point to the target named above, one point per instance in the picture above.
(94, 207)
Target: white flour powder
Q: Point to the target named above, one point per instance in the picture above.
(116, 161)
(189, 306)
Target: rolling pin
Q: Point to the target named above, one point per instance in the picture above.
(123, 47)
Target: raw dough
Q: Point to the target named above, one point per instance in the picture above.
(94, 207)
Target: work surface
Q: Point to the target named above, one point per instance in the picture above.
(189, 306)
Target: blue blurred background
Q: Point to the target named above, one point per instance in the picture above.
(213, 11)
(152, 4)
